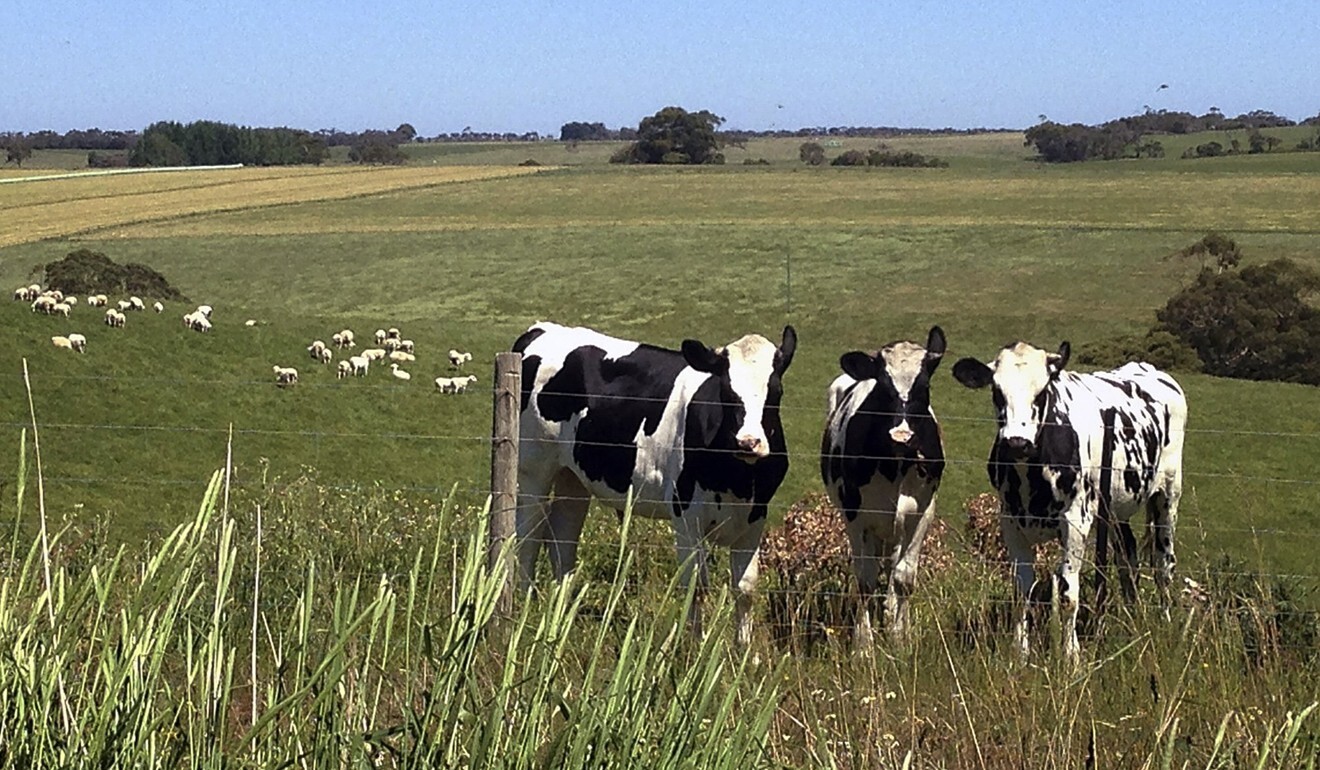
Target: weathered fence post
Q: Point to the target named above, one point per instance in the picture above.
(504, 466)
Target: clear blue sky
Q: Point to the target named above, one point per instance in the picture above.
(519, 65)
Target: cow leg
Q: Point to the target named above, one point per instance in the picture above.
(1127, 561)
(745, 570)
(912, 522)
(691, 563)
(1162, 519)
(866, 567)
(1076, 527)
(531, 524)
(568, 513)
(1023, 558)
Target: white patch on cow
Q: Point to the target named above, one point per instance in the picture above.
(1021, 373)
(751, 364)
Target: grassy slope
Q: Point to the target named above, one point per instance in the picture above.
(992, 249)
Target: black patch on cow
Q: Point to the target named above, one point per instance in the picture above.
(526, 339)
(621, 396)
(1056, 447)
(710, 459)
(866, 449)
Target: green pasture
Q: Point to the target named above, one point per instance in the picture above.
(853, 258)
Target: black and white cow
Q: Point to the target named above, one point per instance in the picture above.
(695, 435)
(882, 458)
(1076, 449)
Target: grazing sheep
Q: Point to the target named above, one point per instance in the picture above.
(406, 346)
(344, 339)
(43, 304)
(97, 300)
(115, 319)
(457, 358)
(60, 308)
(326, 355)
(392, 344)
(380, 336)
(454, 384)
(137, 304)
(21, 295)
(314, 349)
(392, 333)
(71, 301)
(54, 294)
(124, 305)
(345, 368)
(400, 357)
(204, 310)
(360, 365)
(285, 375)
(197, 322)
(79, 342)
(374, 354)
(250, 322)
(158, 307)
(399, 374)
(62, 342)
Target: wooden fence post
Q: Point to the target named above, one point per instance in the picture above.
(504, 465)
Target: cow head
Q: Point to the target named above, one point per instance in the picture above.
(902, 372)
(749, 371)
(1021, 375)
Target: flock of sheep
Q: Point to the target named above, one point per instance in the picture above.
(390, 344)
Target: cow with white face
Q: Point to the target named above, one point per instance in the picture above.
(694, 434)
(881, 459)
(1076, 449)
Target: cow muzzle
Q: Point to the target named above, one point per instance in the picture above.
(752, 448)
(1018, 445)
(902, 434)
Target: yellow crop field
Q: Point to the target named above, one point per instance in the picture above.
(41, 209)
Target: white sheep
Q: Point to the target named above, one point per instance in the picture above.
(124, 305)
(62, 342)
(21, 295)
(345, 368)
(373, 354)
(197, 322)
(61, 309)
(458, 358)
(454, 384)
(204, 310)
(326, 355)
(398, 373)
(137, 304)
(158, 307)
(115, 319)
(406, 346)
(79, 342)
(285, 375)
(392, 333)
(97, 300)
(360, 365)
(400, 357)
(250, 322)
(344, 339)
(392, 344)
(314, 349)
(43, 304)
(380, 336)
(54, 294)
(71, 301)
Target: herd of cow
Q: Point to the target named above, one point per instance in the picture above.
(694, 436)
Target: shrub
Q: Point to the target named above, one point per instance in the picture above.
(903, 159)
(755, 162)
(1156, 347)
(850, 158)
(107, 160)
(811, 153)
(377, 152)
(91, 272)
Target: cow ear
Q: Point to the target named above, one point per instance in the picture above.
(973, 373)
(704, 358)
(786, 349)
(935, 347)
(858, 365)
(1059, 360)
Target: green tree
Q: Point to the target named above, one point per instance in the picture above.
(674, 135)
(377, 151)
